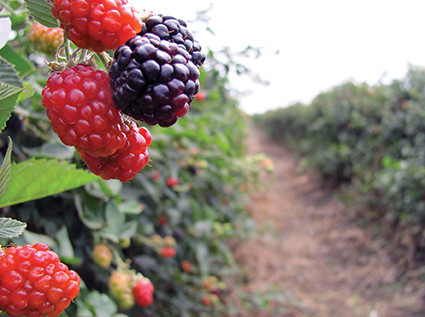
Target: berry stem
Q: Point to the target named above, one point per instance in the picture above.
(104, 58)
(8, 8)
(82, 56)
(66, 47)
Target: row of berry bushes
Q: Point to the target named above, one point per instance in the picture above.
(167, 228)
(367, 140)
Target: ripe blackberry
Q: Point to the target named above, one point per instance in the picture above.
(80, 107)
(97, 25)
(33, 282)
(153, 80)
(175, 30)
(125, 163)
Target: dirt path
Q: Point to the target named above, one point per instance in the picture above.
(311, 255)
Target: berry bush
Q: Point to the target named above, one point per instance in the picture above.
(113, 193)
(367, 141)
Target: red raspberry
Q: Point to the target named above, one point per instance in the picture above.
(126, 162)
(143, 292)
(97, 25)
(79, 105)
(186, 266)
(45, 39)
(33, 282)
(167, 252)
(171, 181)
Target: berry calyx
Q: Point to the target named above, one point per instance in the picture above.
(143, 292)
(33, 282)
(44, 39)
(80, 107)
(125, 163)
(97, 25)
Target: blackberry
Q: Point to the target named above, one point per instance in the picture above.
(174, 30)
(153, 80)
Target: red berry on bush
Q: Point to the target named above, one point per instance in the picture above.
(33, 282)
(171, 181)
(162, 220)
(200, 96)
(186, 266)
(125, 163)
(167, 252)
(143, 292)
(45, 39)
(80, 107)
(97, 25)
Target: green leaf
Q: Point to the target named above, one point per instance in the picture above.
(5, 170)
(33, 238)
(34, 179)
(22, 65)
(132, 207)
(8, 74)
(101, 304)
(11, 228)
(64, 244)
(10, 88)
(8, 98)
(90, 211)
(41, 10)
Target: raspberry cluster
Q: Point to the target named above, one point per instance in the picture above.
(44, 39)
(97, 25)
(125, 163)
(80, 107)
(129, 288)
(33, 282)
(153, 80)
(143, 292)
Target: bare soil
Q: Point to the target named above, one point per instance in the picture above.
(309, 251)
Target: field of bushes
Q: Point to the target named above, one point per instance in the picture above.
(368, 143)
(171, 223)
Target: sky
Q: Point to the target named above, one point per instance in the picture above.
(307, 46)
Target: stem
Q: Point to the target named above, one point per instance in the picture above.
(8, 8)
(66, 48)
(104, 58)
(82, 56)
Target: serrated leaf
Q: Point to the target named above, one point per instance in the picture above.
(34, 179)
(5, 169)
(20, 62)
(11, 228)
(8, 74)
(41, 10)
(8, 97)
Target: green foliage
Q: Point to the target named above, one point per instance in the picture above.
(47, 186)
(41, 10)
(34, 179)
(369, 139)
(11, 228)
